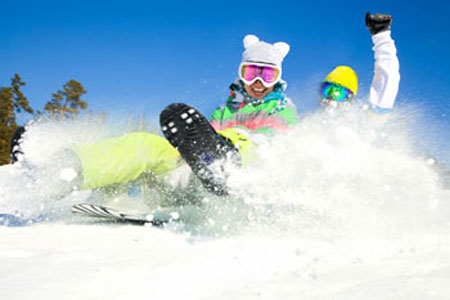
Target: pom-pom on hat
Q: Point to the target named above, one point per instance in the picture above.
(262, 52)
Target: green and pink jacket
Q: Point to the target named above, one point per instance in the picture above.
(275, 113)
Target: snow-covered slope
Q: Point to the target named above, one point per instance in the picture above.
(337, 209)
(59, 261)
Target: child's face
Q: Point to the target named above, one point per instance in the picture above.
(257, 90)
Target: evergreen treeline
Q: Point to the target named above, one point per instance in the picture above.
(64, 103)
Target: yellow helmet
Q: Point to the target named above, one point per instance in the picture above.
(344, 76)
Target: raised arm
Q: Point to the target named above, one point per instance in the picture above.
(384, 88)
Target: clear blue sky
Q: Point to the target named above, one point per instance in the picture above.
(139, 56)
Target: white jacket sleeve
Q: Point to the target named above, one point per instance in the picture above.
(384, 88)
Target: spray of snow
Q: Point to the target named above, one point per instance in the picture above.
(338, 208)
(348, 173)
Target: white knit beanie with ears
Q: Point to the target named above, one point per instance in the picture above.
(262, 52)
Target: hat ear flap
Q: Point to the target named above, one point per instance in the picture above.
(249, 40)
(282, 47)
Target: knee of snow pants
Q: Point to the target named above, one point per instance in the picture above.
(246, 148)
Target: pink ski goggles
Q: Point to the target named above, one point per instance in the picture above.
(250, 72)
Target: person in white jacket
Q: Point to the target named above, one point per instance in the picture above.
(341, 85)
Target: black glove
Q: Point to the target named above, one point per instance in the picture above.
(378, 22)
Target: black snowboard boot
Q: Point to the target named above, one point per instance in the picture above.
(199, 145)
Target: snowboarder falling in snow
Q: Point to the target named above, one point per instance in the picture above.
(257, 104)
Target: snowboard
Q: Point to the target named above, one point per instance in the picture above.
(115, 216)
(199, 145)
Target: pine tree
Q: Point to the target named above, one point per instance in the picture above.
(67, 102)
(12, 101)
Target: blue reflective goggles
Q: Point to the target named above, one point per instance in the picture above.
(330, 91)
